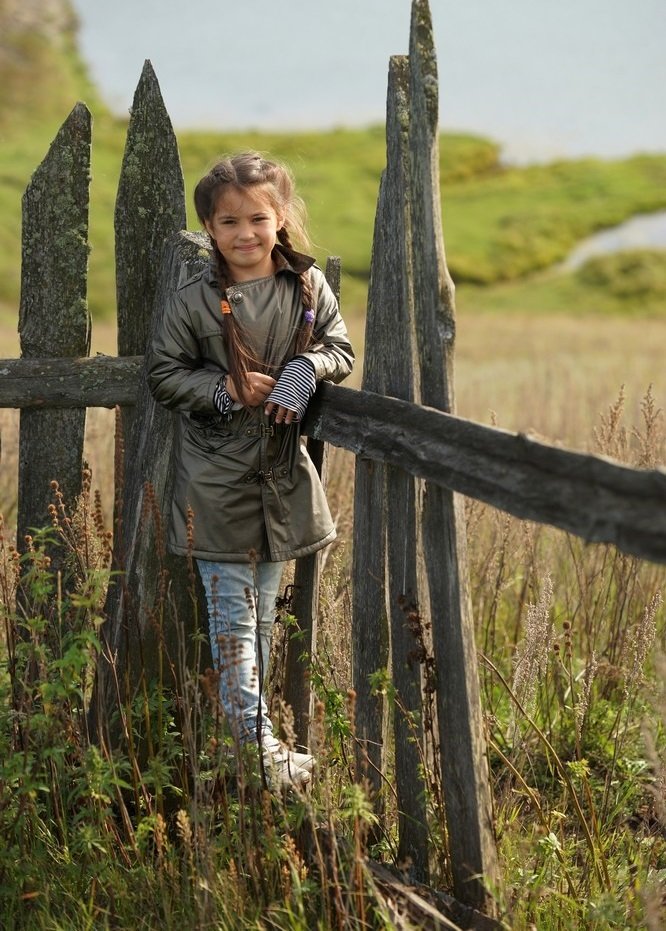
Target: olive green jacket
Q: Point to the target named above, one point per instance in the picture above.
(249, 484)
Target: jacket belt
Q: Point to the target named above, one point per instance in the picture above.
(263, 429)
(260, 477)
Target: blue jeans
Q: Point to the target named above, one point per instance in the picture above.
(241, 611)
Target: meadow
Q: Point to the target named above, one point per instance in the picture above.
(175, 831)
(571, 658)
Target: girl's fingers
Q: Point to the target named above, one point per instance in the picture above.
(259, 380)
(261, 386)
(282, 414)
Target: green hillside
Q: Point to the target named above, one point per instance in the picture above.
(502, 224)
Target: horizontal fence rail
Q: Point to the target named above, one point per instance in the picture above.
(591, 496)
(102, 381)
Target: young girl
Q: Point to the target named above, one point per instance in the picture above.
(240, 351)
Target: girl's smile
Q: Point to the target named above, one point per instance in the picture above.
(244, 226)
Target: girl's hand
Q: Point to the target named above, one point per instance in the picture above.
(259, 386)
(293, 390)
(282, 414)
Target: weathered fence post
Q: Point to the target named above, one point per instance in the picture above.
(53, 317)
(464, 765)
(307, 579)
(150, 207)
(370, 631)
(132, 635)
(593, 497)
(395, 304)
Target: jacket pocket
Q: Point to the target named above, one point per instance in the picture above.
(207, 434)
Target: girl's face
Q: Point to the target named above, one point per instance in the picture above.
(244, 225)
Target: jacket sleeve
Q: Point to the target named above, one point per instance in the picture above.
(176, 374)
(331, 355)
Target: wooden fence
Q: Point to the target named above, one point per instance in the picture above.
(412, 453)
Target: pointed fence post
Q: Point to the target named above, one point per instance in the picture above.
(53, 317)
(463, 760)
(370, 626)
(150, 207)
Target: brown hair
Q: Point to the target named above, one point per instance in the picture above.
(244, 171)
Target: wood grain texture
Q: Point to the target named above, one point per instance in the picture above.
(403, 590)
(370, 633)
(591, 496)
(149, 211)
(103, 381)
(150, 207)
(465, 779)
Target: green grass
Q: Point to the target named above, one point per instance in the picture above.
(41, 81)
(518, 221)
(631, 283)
(338, 175)
(500, 224)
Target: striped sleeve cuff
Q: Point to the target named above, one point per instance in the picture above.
(222, 399)
(295, 386)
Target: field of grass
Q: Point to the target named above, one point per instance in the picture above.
(571, 641)
(630, 284)
(164, 833)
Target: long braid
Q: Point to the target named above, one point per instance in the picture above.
(240, 355)
(304, 336)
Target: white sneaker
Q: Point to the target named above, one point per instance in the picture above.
(283, 770)
(303, 760)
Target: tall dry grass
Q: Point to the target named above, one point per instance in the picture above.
(570, 641)
(569, 635)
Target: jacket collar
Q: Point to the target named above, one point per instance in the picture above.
(290, 260)
(286, 260)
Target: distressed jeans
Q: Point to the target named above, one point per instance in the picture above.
(241, 611)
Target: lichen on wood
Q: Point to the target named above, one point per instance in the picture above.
(150, 207)
(53, 314)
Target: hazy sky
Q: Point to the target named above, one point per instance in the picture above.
(544, 77)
